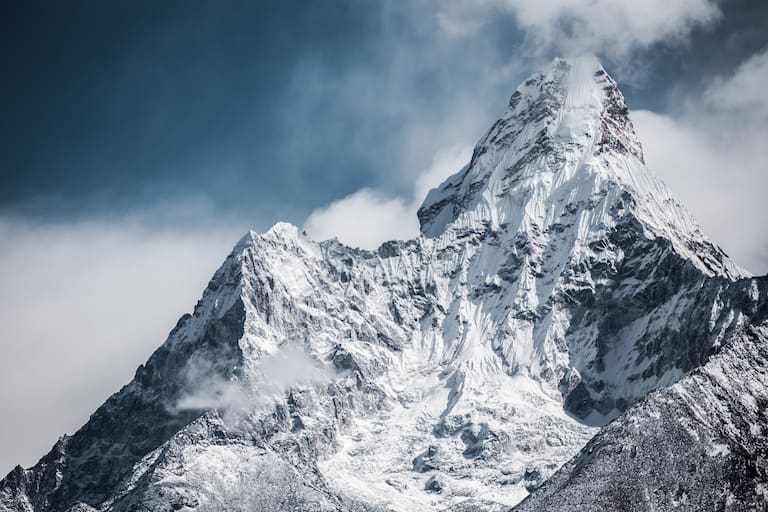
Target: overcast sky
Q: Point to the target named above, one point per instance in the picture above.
(140, 140)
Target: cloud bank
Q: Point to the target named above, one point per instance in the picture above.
(83, 304)
(369, 217)
(712, 154)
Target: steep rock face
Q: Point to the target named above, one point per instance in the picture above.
(555, 283)
(701, 444)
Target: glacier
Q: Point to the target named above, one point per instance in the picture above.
(557, 292)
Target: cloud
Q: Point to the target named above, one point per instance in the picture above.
(743, 92)
(712, 154)
(363, 219)
(83, 304)
(709, 149)
(379, 119)
(368, 217)
(614, 27)
(445, 163)
(274, 376)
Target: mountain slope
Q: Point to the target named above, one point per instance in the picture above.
(701, 444)
(555, 283)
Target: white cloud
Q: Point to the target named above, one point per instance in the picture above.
(713, 156)
(82, 306)
(363, 219)
(275, 375)
(609, 26)
(744, 91)
(367, 217)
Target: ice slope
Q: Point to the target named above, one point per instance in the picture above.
(555, 283)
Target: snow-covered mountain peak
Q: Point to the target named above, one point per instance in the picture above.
(577, 98)
(282, 237)
(555, 283)
(558, 126)
(578, 84)
(565, 153)
(592, 103)
(283, 229)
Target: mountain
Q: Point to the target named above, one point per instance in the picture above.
(555, 287)
(701, 444)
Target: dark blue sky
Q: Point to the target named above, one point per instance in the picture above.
(265, 111)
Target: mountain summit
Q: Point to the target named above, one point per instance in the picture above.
(555, 284)
(565, 137)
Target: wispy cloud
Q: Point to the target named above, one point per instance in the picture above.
(269, 381)
(610, 27)
(712, 153)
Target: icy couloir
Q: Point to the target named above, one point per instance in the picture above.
(555, 283)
